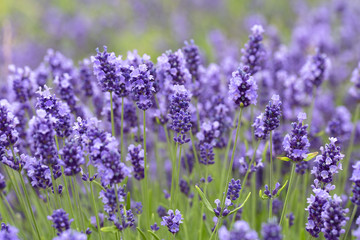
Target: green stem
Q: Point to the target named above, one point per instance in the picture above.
(287, 192)
(271, 175)
(146, 175)
(112, 115)
(346, 161)
(173, 177)
(122, 130)
(350, 221)
(216, 227)
(178, 173)
(233, 155)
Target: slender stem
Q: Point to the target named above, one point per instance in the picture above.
(233, 155)
(146, 175)
(29, 205)
(112, 115)
(350, 221)
(216, 227)
(122, 130)
(254, 200)
(178, 173)
(302, 211)
(346, 161)
(173, 185)
(271, 175)
(288, 192)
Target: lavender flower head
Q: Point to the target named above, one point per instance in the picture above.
(272, 114)
(22, 82)
(242, 88)
(315, 208)
(111, 202)
(296, 144)
(172, 221)
(316, 70)
(253, 52)
(8, 232)
(71, 235)
(107, 70)
(259, 127)
(334, 218)
(60, 220)
(233, 189)
(172, 68)
(8, 122)
(355, 178)
(356, 233)
(72, 158)
(340, 126)
(271, 231)
(136, 157)
(328, 163)
(241, 231)
(192, 56)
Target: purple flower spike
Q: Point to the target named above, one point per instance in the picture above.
(71, 235)
(172, 221)
(136, 157)
(8, 232)
(192, 56)
(60, 220)
(242, 88)
(271, 231)
(355, 178)
(241, 230)
(233, 190)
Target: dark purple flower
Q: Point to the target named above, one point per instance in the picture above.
(291, 219)
(172, 221)
(192, 56)
(161, 211)
(60, 220)
(72, 157)
(154, 227)
(328, 163)
(71, 234)
(138, 208)
(340, 126)
(315, 71)
(271, 231)
(222, 211)
(296, 144)
(111, 202)
(184, 187)
(8, 122)
(207, 154)
(355, 178)
(335, 219)
(22, 82)
(8, 232)
(272, 114)
(233, 189)
(253, 52)
(242, 88)
(241, 231)
(136, 157)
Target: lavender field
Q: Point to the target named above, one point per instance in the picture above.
(155, 119)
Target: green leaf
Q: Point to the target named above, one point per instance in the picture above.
(282, 188)
(128, 205)
(97, 183)
(142, 234)
(154, 235)
(236, 209)
(285, 159)
(263, 196)
(310, 156)
(112, 229)
(203, 197)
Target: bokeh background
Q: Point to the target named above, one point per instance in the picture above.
(78, 27)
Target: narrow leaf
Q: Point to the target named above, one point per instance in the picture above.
(142, 234)
(128, 205)
(111, 229)
(154, 235)
(285, 159)
(310, 156)
(203, 197)
(236, 209)
(282, 188)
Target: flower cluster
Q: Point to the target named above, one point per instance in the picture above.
(22, 82)
(355, 178)
(271, 231)
(241, 230)
(60, 220)
(192, 56)
(72, 158)
(172, 221)
(233, 189)
(136, 157)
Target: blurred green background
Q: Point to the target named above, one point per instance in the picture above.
(77, 27)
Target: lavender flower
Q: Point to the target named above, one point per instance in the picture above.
(86, 77)
(253, 52)
(22, 81)
(296, 144)
(192, 56)
(101, 220)
(222, 211)
(60, 220)
(328, 163)
(67, 93)
(207, 154)
(233, 189)
(72, 158)
(8, 122)
(316, 69)
(181, 119)
(316, 207)
(154, 227)
(107, 70)
(71, 235)
(138, 208)
(136, 156)
(172, 221)
(171, 67)
(241, 231)
(184, 187)
(272, 114)
(126, 219)
(334, 218)
(355, 79)
(259, 127)
(8, 232)
(38, 173)
(355, 178)
(242, 88)
(111, 202)
(340, 126)
(142, 88)
(271, 231)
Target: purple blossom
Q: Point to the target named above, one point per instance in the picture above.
(72, 158)
(71, 235)
(355, 178)
(207, 154)
(254, 52)
(22, 80)
(60, 220)
(271, 231)
(184, 187)
(136, 157)
(233, 190)
(328, 163)
(172, 221)
(355, 79)
(154, 227)
(192, 56)
(340, 126)
(241, 231)
(111, 202)
(272, 114)
(86, 77)
(222, 211)
(8, 232)
(296, 144)
(334, 218)
(242, 88)
(8, 122)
